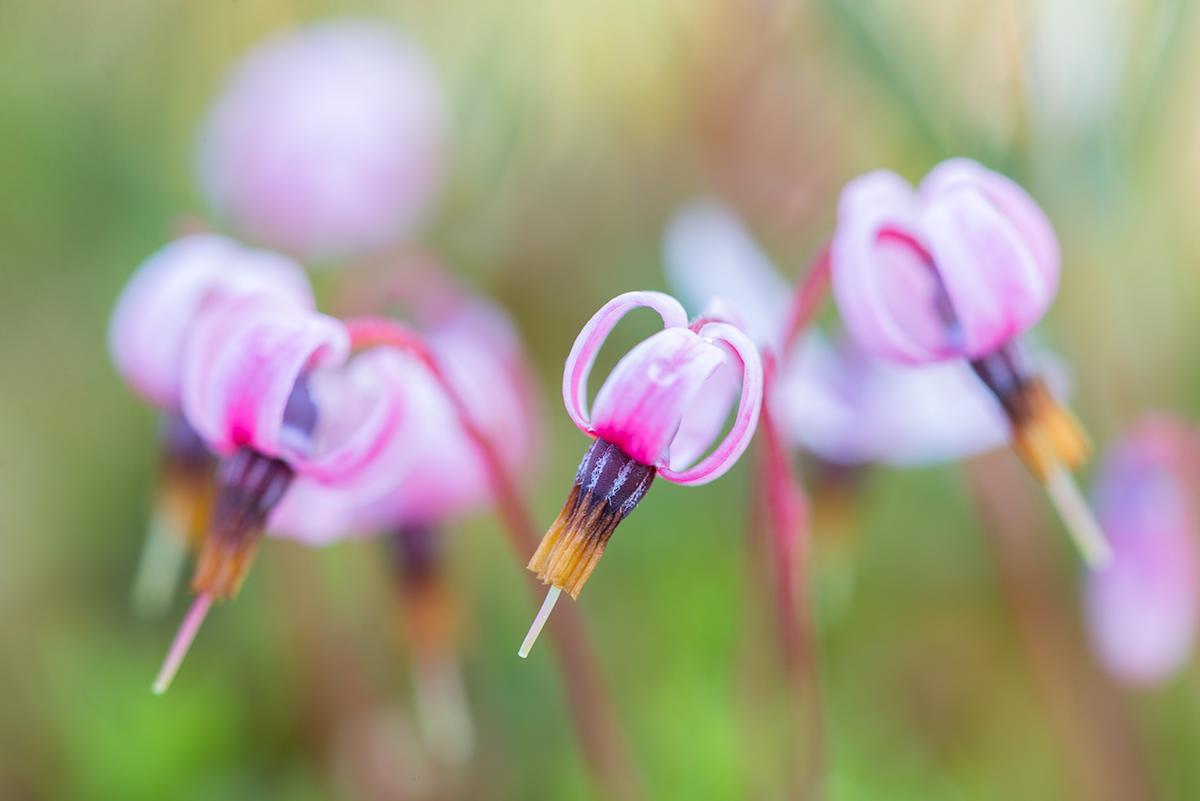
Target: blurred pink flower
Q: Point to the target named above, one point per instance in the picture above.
(1142, 611)
(443, 474)
(955, 269)
(326, 141)
(155, 312)
(831, 399)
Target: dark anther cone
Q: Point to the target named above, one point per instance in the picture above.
(249, 485)
(608, 485)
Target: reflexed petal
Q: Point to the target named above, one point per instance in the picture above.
(640, 405)
(886, 294)
(730, 449)
(1013, 203)
(241, 364)
(327, 141)
(591, 338)
(851, 409)
(705, 416)
(155, 310)
(708, 252)
(993, 281)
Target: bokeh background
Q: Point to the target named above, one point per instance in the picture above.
(948, 669)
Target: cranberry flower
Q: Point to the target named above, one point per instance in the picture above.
(150, 324)
(833, 400)
(1142, 611)
(644, 414)
(249, 369)
(959, 269)
(326, 141)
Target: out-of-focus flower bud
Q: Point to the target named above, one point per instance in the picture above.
(327, 141)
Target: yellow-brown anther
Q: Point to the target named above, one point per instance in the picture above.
(1046, 435)
(608, 486)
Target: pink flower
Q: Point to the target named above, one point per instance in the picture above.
(955, 269)
(327, 141)
(831, 399)
(443, 474)
(158, 306)
(1142, 611)
(661, 390)
(268, 386)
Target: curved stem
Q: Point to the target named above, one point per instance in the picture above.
(594, 719)
(787, 524)
(810, 295)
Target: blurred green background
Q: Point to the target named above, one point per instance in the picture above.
(578, 126)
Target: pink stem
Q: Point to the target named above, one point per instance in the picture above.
(787, 522)
(810, 295)
(595, 721)
(182, 642)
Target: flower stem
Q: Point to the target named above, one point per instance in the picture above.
(595, 721)
(810, 295)
(787, 523)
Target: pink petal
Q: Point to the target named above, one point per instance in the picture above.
(591, 338)
(705, 416)
(1142, 610)
(717, 463)
(996, 287)
(155, 311)
(709, 253)
(1013, 203)
(640, 405)
(327, 141)
(431, 471)
(241, 364)
(885, 292)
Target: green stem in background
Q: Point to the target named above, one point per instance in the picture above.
(1099, 741)
(604, 750)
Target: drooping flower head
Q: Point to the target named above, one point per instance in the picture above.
(1142, 612)
(958, 269)
(652, 408)
(833, 400)
(952, 270)
(444, 475)
(326, 141)
(147, 336)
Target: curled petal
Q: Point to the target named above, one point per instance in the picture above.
(731, 448)
(708, 252)
(642, 401)
(591, 338)
(885, 290)
(1142, 611)
(327, 141)
(241, 364)
(155, 310)
(705, 416)
(993, 280)
(1013, 203)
